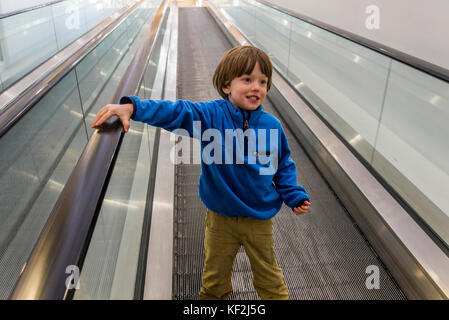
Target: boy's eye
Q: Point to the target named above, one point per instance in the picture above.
(246, 79)
(263, 82)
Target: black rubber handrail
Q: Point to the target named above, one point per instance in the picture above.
(417, 63)
(14, 111)
(66, 235)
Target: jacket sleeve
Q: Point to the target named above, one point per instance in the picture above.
(285, 178)
(170, 115)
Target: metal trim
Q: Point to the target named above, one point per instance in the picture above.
(159, 270)
(66, 235)
(417, 63)
(416, 262)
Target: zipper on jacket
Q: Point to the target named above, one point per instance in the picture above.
(245, 120)
(245, 126)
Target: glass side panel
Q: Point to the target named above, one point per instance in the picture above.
(272, 32)
(73, 19)
(243, 17)
(22, 49)
(345, 86)
(394, 116)
(110, 267)
(37, 156)
(39, 153)
(412, 146)
(30, 38)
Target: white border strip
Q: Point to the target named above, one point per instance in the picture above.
(159, 271)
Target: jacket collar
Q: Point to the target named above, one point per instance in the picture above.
(237, 115)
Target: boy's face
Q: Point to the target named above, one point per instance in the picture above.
(249, 90)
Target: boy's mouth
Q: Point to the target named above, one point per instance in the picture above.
(253, 98)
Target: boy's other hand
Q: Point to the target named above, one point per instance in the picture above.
(302, 209)
(123, 111)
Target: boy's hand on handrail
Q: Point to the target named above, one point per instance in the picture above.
(123, 111)
(303, 208)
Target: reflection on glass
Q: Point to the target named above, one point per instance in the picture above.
(272, 32)
(29, 38)
(346, 88)
(37, 156)
(412, 143)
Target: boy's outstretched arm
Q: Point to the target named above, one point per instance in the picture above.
(169, 115)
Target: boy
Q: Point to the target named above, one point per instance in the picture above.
(241, 194)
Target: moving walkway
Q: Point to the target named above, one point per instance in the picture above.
(132, 221)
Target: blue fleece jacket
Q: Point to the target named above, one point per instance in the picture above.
(236, 179)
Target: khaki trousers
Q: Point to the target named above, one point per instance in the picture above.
(223, 238)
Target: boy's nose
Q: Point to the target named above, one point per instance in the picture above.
(255, 86)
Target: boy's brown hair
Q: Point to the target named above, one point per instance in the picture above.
(239, 61)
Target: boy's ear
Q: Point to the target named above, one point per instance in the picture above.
(226, 90)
